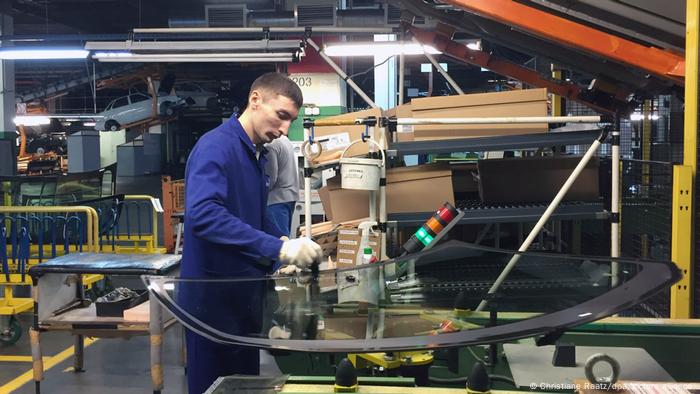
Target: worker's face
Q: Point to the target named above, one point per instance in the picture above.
(272, 115)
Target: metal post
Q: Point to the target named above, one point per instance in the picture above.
(155, 327)
(440, 70)
(307, 189)
(615, 208)
(402, 72)
(682, 238)
(341, 73)
(545, 217)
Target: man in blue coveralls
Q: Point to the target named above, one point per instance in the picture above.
(228, 235)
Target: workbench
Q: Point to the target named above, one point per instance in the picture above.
(60, 305)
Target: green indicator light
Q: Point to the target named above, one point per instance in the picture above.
(427, 239)
(424, 241)
(421, 233)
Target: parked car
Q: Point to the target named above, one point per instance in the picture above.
(136, 107)
(203, 99)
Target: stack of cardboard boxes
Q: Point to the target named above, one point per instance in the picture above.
(425, 188)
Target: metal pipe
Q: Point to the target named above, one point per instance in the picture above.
(440, 70)
(262, 30)
(342, 74)
(545, 217)
(615, 209)
(307, 189)
(402, 71)
(500, 120)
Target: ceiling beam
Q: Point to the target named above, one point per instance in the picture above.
(659, 62)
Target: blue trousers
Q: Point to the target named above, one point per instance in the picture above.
(281, 216)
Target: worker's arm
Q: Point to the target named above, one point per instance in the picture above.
(208, 217)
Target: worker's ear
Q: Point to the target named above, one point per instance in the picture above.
(255, 99)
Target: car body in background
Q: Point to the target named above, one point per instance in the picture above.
(204, 99)
(136, 107)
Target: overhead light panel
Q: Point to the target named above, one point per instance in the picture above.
(31, 120)
(373, 48)
(42, 54)
(124, 57)
(194, 46)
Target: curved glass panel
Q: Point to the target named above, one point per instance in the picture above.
(427, 300)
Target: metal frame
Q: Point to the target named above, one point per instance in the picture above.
(683, 226)
(662, 63)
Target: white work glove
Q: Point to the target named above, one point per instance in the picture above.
(288, 270)
(277, 332)
(301, 252)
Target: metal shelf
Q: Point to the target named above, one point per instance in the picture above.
(505, 142)
(477, 213)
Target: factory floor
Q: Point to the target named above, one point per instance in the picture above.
(111, 365)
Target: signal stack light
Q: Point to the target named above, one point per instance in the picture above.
(430, 229)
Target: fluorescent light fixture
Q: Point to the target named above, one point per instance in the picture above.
(31, 120)
(40, 54)
(193, 58)
(636, 116)
(89, 124)
(193, 46)
(197, 57)
(385, 48)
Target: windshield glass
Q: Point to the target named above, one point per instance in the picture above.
(438, 298)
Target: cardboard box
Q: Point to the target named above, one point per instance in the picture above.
(530, 102)
(535, 179)
(422, 188)
(342, 205)
(349, 239)
(339, 137)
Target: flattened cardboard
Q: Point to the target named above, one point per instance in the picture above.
(346, 133)
(421, 188)
(530, 102)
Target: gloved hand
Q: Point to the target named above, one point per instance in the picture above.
(277, 332)
(301, 252)
(288, 270)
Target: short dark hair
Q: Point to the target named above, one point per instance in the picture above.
(279, 84)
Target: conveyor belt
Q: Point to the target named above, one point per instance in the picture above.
(478, 212)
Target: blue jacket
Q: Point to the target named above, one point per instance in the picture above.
(227, 233)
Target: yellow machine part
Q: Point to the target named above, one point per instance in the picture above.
(420, 357)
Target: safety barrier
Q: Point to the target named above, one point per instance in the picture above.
(30, 235)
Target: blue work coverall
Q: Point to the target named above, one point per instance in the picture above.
(227, 235)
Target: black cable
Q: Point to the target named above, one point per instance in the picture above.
(370, 69)
(463, 380)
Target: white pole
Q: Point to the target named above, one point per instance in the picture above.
(307, 189)
(500, 120)
(402, 71)
(615, 208)
(540, 223)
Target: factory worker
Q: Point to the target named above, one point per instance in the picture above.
(282, 169)
(228, 234)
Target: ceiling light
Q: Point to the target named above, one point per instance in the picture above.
(32, 120)
(379, 49)
(39, 54)
(193, 46)
(196, 57)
